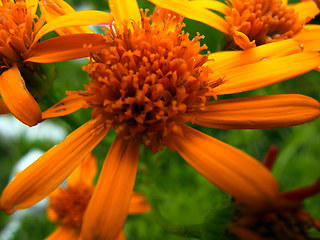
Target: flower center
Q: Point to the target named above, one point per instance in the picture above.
(288, 223)
(69, 204)
(147, 80)
(263, 21)
(17, 30)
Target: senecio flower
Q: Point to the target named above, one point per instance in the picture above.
(147, 81)
(283, 218)
(21, 30)
(68, 205)
(251, 23)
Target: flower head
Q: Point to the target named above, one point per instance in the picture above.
(147, 80)
(68, 205)
(285, 218)
(20, 30)
(250, 23)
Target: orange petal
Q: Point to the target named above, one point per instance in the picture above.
(309, 39)
(32, 6)
(3, 107)
(108, 207)
(17, 97)
(85, 172)
(124, 11)
(52, 9)
(66, 106)
(259, 112)
(64, 233)
(45, 174)
(81, 18)
(267, 72)
(190, 9)
(306, 10)
(64, 48)
(228, 168)
(225, 60)
(242, 40)
(121, 236)
(139, 204)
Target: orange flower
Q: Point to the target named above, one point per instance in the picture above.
(68, 205)
(20, 30)
(250, 23)
(148, 81)
(284, 218)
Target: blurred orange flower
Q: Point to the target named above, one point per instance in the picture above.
(20, 30)
(251, 23)
(283, 218)
(68, 205)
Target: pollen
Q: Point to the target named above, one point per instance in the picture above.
(263, 21)
(67, 205)
(17, 31)
(149, 78)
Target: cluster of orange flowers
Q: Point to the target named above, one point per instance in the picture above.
(148, 80)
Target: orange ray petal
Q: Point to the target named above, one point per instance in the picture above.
(17, 97)
(108, 207)
(66, 106)
(228, 168)
(121, 236)
(259, 112)
(124, 11)
(85, 172)
(307, 10)
(3, 107)
(64, 233)
(81, 18)
(32, 6)
(64, 48)
(45, 174)
(225, 60)
(309, 39)
(190, 9)
(139, 204)
(52, 9)
(267, 72)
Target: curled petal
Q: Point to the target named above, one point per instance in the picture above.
(17, 97)
(228, 168)
(259, 112)
(45, 174)
(108, 207)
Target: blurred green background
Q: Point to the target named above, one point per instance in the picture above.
(181, 194)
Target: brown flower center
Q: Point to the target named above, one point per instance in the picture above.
(69, 204)
(17, 31)
(263, 21)
(280, 225)
(147, 81)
